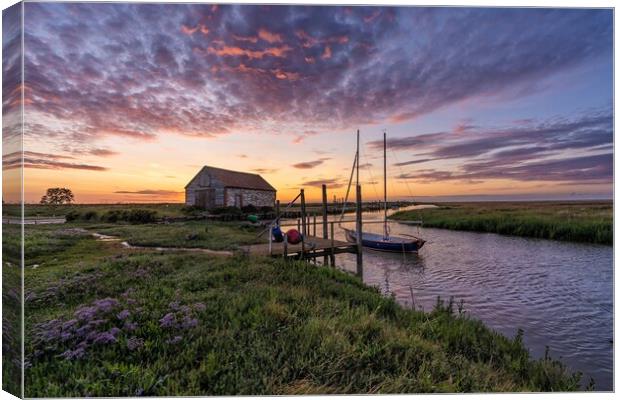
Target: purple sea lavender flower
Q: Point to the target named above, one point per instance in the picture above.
(104, 338)
(83, 331)
(168, 321)
(69, 324)
(105, 305)
(96, 322)
(199, 306)
(130, 326)
(134, 343)
(73, 354)
(189, 322)
(174, 340)
(85, 313)
(174, 306)
(123, 314)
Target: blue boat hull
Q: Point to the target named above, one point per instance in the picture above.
(391, 244)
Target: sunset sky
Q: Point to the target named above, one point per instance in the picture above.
(125, 102)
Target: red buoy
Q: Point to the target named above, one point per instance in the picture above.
(293, 236)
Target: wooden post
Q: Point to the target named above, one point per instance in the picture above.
(314, 224)
(324, 190)
(303, 223)
(278, 210)
(332, 257)
(303, 213)
(358, 228)
(298, 226)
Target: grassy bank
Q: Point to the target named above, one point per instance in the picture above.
(191, 234)
(107, 321)
(590, 222)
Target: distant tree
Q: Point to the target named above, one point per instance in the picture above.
(57, 196)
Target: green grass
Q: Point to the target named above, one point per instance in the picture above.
(38, 210)
(201, 325)
(191, 234)
(590, 222)
(11, 309)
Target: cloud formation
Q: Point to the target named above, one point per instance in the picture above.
(149, 192)
(37, 160)
(143, 70)
(579, 149)
(310, 164)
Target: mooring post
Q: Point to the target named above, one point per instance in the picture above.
(303, 223)
(278, 211)
(303, 212)
(324, 190)
(332, 257)
(314, 224)
(358, 229)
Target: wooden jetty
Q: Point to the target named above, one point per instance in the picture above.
(312, 246)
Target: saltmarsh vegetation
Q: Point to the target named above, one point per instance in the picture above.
(106, 321)
(590, 222)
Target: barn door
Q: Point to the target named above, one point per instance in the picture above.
(238, 201)
(205, 198)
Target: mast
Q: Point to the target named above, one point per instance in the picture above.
(357, 160)
(385, 227)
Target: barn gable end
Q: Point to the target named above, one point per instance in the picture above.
(217, 187)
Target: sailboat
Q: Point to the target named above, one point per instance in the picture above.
(383, 242)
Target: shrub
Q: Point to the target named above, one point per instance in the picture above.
(136, 216)
(90, 216)
(192, 210)
(73, 215)
(266, 209)
(112, 216)
(140, 216)
(249, 209)
(226, 210)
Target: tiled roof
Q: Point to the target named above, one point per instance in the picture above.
(236, 179)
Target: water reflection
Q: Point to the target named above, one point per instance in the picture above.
(559, 293)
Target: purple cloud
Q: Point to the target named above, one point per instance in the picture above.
(143, 70)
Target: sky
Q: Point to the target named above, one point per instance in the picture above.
(125, 102)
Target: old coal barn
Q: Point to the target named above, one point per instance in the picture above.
(216, 187)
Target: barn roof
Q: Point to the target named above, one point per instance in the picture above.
(235, 179)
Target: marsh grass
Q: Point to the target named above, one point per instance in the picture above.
(11, 309)
(569, 221)
(111, 322)
(190, 234)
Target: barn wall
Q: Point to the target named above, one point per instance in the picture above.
(258, 198)
(204, 181)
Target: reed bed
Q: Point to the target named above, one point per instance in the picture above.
(590, 222)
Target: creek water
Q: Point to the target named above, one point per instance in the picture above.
(559, 293)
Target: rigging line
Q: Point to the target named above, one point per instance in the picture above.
(346, 197)
(372, 178)
(402, 173)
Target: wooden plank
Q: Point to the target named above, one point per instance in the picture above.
(311, 245)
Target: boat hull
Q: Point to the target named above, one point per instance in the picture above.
(392, 244)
